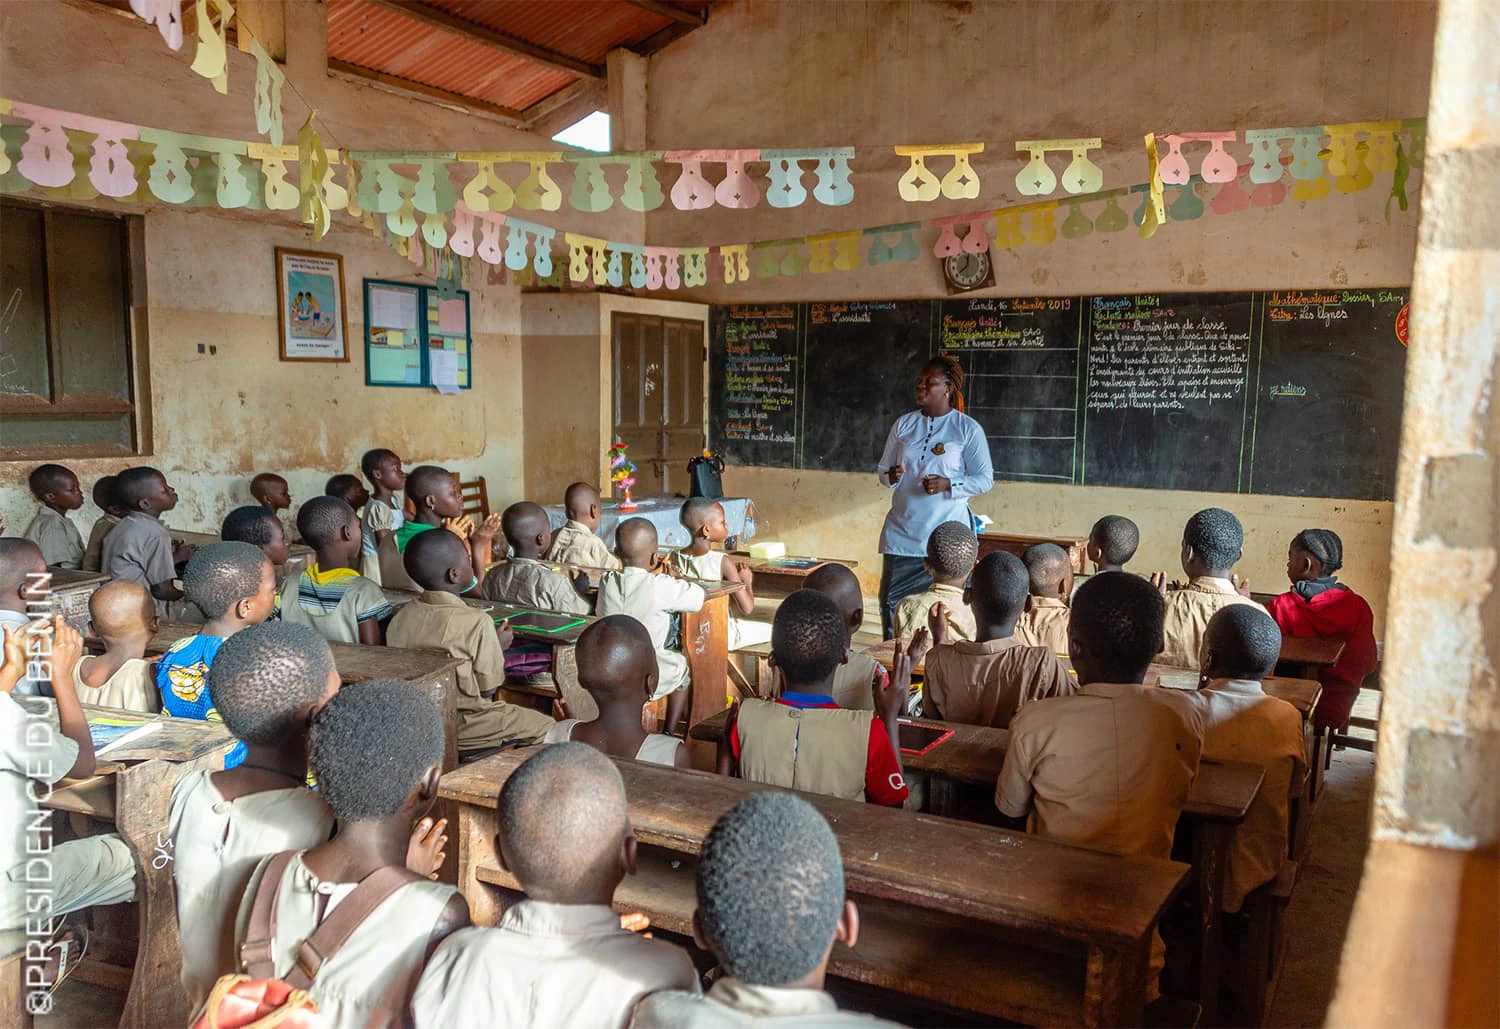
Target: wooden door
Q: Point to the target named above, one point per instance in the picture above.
(658, 397)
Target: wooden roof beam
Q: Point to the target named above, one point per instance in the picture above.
(696, 19)
(446, 22)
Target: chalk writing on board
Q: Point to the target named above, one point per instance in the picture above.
(859, 312)
(1142, 361)
(760, 374)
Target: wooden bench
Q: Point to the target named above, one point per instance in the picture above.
(962, 915)
(1018, 544)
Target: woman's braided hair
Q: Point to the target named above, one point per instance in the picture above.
(950, 367)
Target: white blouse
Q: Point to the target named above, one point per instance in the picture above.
(953, 446)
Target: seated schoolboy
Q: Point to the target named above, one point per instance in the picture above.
(268, 682)
(771, 905)
(1319, 605)
(25, 591)
(1241, 723)
(802, 739)
(349, 489)
(383, 514)
(439, 619)
(234, 586)
(124, 616)
(854, 679)
(271, 492)
(76, 874)
(110, 513)
(651, 598)
(951, 551)
(1112, 542)
(140, 549)
(578, 542)
(559, 957)
(1211, 543)
(525, 580)
(1045, 621)
(330, 595)
(434, 494)
(378, 783)
(259, 527)
(703, 518)
(56, 489)
(617, 666)
(985, 682)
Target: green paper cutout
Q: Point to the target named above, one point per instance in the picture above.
(1398, 182)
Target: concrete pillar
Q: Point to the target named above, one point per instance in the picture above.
(627, 100)
(307, 42)
(1422, 945)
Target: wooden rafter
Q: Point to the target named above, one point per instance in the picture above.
(693, 19)
(489, 37)
(397, 84)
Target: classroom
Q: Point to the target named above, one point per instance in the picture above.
(721, 512)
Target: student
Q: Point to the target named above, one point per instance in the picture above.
(638, 590)
(56, 489)
(234, 586)
(140, 549)
(330, 595)
(349, 489)
(439, 619)
(771, 905)
(1045, 621)
(433, 491)
(268, 682)
(1319, 605)
(25, 593)
(271, 492)
(259, 527)
(1112, 543)
(559, 957)
(854, 681)
(985, 682)
(1211, 544)
(1241, 723)
(378, 784)
(124, 616)
(617, 666)
(951, 551)
(73, 875)
(110, 513)
(383, 514)
(703, 518)
(578, 542)
(524, 580)
(802, 740)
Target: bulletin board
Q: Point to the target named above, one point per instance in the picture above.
(415, 336)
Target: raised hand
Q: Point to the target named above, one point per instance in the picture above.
(427, 847)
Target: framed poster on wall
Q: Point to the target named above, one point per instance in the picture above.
(310, 306)
(415, 337)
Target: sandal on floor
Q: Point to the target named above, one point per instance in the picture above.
(71, 943)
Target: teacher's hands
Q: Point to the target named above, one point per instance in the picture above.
(895, 472)
(936, 484)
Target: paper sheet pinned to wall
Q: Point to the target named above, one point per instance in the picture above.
(443, 364)
(393, 308)
(452, 317)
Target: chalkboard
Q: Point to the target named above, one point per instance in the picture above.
(1294, 393)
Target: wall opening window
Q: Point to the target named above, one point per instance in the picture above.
(587, 133)
(69, 385)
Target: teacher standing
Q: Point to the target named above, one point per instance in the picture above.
(936, 457)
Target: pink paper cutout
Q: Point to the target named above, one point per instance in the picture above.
(1174, 167)
(461, 238)
(651, 259)
(1218, 166)
(737, 190)
(948, 242)
(691, 191)
(166, 15)
(1268, 194)
(1230, 198)
(45, 157)
(489, 250)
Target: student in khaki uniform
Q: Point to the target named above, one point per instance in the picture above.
(124, 616)
(1045, 622)
(330, 595)
(525, 580)
(802, 740)
(1211, 544)
(641, 591)
(1243, 724)
(378, 783)
(856, 679)
(985, 682)
(140, 549)
(110, 513)
(951, 551)
(558, 957)
(771, 905)
(438, 618)
(704, 520)
(383, 514)
(578, 542)
(1112, 542)
(268, 680)
(56, 489)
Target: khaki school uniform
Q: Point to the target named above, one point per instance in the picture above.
(1045, 625)
(577, 544)
(987, 683)
(732, 1004)
(131, 688)
(546, 965)
(814, 750)
(911, 613)
(386, 950)
(444, 622)
(139, 550)
(852, 681)
(527, 582)
(656, 749)
(216, 845)
(651, 600)
(1188, 612)
(1243, 724)
(93, 551)
(57, 537)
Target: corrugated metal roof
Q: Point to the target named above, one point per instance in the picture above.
(586, 29)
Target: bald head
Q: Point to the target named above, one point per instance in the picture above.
(438, 560)
(580, 500)
(564, 825)
(271, 490)
(635, 539)
(20, 560)
(1049, 569)
(617, 662)
(526, 529)
(840, 585)
(1241, 642)
(121, 610)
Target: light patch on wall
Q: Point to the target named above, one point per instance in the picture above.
(588, 133)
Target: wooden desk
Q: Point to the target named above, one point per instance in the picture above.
(773, 580)
(71, 590)
(1017, 544)
(300, 557)
(963, 915)
(1305, 657)
(884, 654)
(398, 597)
(705, 644)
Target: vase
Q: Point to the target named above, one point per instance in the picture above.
(626, 504)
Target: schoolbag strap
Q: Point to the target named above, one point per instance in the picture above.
(334, 931)
(256, 956)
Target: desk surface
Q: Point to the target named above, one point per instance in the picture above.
(501, 610)
(72, 578)
(1312, 650)
(1020, 881)
(352, 660)
(202, 539)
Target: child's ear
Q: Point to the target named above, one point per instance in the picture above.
(847, 930)
(92, 631)
(628, 853)
(500, 853)
(427, 786)
(453, 575)
(699, 937)
(1026, 606)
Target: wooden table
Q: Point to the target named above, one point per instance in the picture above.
(963, 915)
(1017, 544)
(397, 597)
(705, 644)
(774, 580)
(71, 590)
(1305, 657)
(301, 556)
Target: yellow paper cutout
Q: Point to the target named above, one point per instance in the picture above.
(920, 185)
(312, 168)
(212, 59)
(1157, 212)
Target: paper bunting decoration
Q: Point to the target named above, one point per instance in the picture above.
(1217, 165)
(212, 59)
(1080, 176)
(693, 192)
(834, 251)
(312, 165)
(974, 241)
(919, 185)
(166, 15)
(1307, 164)
(830, 165)
(882, 251)
(1158, 214)
(269, 78)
